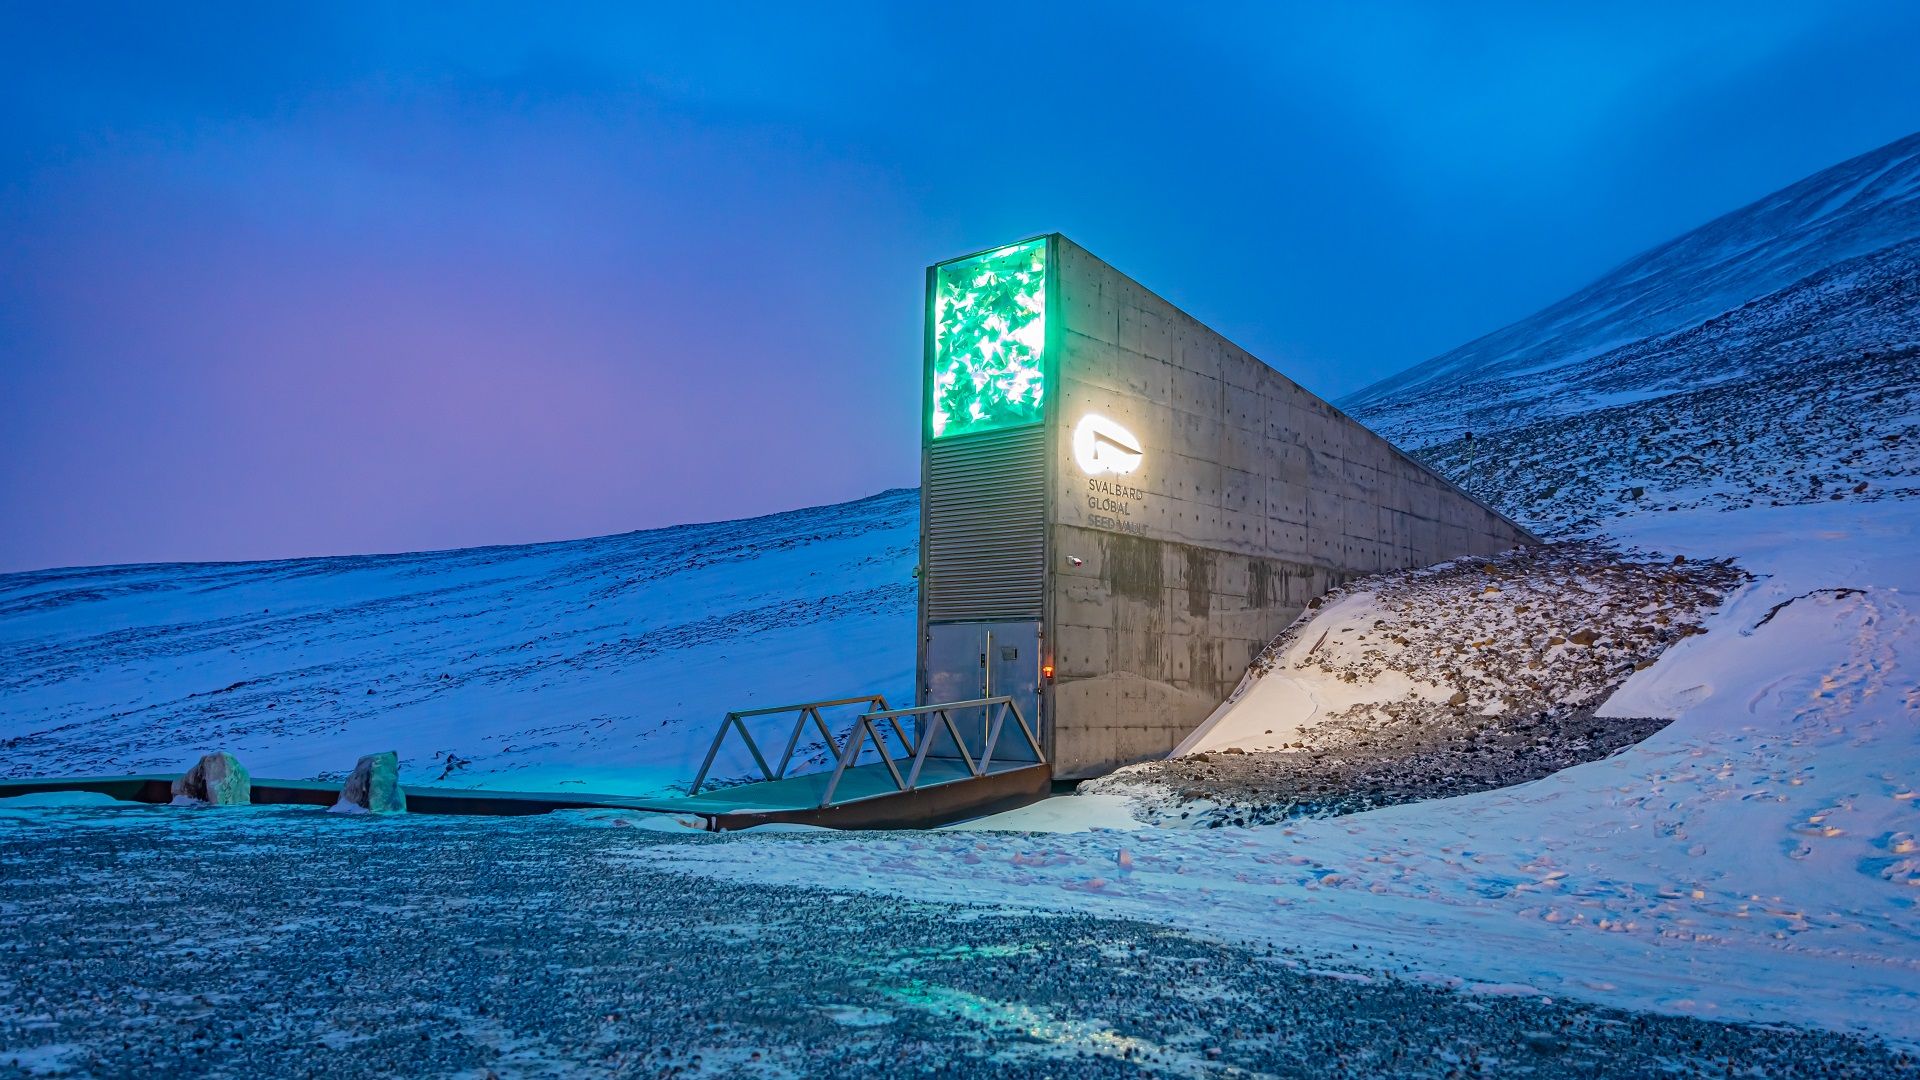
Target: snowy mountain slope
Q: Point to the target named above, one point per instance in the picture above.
(1853, 208)
(1809, 394)
(604, 663)
(1702, 375)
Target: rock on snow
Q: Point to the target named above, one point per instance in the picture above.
(374, 786)
(217, 779)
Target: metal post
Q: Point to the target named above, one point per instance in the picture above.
(988, 686)
(1039, 754)
(926, 743)
(752, 747)
(999, 714)
(840, 767)
(701, 777)
(793, 740)
(866, 725)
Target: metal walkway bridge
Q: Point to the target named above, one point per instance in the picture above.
(945, 763)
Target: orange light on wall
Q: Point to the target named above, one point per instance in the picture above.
(1046, 672)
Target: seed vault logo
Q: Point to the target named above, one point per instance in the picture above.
(1102, 446)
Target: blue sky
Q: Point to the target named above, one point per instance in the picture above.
(335, 279)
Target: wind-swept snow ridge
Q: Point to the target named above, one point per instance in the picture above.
(603, 663)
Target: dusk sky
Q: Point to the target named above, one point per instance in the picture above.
(406, 277)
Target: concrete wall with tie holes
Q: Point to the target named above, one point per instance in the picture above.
(1250, 497)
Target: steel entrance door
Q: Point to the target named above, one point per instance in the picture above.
(986, 659)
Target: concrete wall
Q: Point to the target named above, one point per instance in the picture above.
(1252, 498)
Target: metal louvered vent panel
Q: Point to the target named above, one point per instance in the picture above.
(987, 525)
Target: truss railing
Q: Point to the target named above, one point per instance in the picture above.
(930, 720)
(805, 711)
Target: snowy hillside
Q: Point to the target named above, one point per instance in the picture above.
(603, 663)
(1771, 357)
(1859, 206)
(1809, 394)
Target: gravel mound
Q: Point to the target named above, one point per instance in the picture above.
(1435, 682)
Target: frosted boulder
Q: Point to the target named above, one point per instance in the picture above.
(374, 786)
(217, 779)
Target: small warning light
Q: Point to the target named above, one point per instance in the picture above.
(1046, 672)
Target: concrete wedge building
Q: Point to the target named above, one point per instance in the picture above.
(1120, 507)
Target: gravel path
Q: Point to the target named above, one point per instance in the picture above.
(286, 942)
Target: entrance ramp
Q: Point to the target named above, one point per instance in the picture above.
(891, 768)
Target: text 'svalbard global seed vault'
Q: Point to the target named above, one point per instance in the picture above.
(1121, 507)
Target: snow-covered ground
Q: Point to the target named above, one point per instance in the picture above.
(601, 664)
(1756, 860)
(286, 941)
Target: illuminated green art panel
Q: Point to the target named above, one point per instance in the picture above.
(989, 337)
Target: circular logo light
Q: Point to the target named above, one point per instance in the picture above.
(1102, 446)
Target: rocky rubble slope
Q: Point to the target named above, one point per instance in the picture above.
(1770, 357)
(1811, 394)
(1427, 683)
(1546, 364)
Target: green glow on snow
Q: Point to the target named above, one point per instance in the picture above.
(990, 333)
